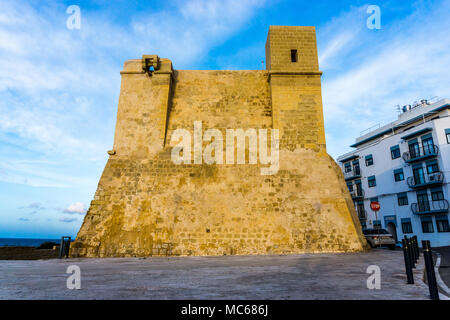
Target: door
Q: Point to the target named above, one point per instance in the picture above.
(419, 177)
(356, 169)
(428, 147)
(422, 201)
(414, 150)
(358, 189)
(392, 229)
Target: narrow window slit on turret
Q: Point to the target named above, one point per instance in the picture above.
(294, 55)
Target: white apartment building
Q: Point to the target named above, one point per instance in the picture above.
(405, 166)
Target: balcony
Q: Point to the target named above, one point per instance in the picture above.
(420, 153)
(424, 208)
(357, 194)
(362, 214)
(426, 180)
(355, 173)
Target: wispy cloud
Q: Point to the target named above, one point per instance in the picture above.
(340, 37)
(393, 66)
(196, 26)
(34, 205)
(67, 220)
(75, 208)
(48, 175)
(59, 87)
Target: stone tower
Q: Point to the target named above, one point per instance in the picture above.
(294, 77)
(148, 205)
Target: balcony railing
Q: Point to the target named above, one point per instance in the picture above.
(433, 207)
(421, 152)
(426, 180)
(362, 214)
(357, 194)
(354, 173)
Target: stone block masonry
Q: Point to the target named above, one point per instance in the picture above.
(146, 205)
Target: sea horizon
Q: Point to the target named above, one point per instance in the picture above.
(26, 242)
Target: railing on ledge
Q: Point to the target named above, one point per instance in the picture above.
(426, 180)
(357, 194)
(422, 152)
(433, 207)
(354, 173)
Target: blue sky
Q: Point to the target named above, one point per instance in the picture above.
(59, 88)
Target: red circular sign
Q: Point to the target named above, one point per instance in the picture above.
(375, 206)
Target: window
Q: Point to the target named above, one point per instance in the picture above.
(348, 167)
(442, 223)
(407, 227)
(369, 160)
(395, 152)
(418, 174)
(356, 168)
(422, 201)
(402, 199)
(360, 207)
(372, 182)
(361, 211)
(427, 143)
(359, 190)
(399, 175)
(294, 56)
(432, 167)
(350, 186)
(447, 134)
(414, 149)
(427, 225)
(437, 194)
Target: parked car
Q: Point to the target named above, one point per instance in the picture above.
(379, 238)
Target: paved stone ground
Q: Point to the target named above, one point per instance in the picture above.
(322, 276)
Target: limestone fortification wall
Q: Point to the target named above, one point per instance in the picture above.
(146, 205)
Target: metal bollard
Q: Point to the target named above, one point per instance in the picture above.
(61, 247)
(409, 272)
(64, 247)
(429, 266)
(69, 241)
(413, 250)
(410, 252)
(416, 248)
